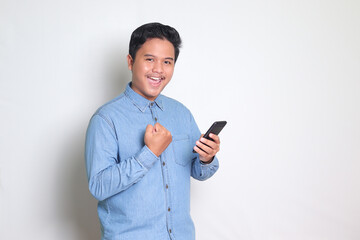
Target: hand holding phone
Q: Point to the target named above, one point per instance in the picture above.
(215, 129)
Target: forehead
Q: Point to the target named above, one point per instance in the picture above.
(158, 48)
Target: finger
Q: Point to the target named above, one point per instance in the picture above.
(215, 138)
(160, 127)
(203, 156)
(157, 127)
(210, 143)
(200, 152)
(205, 148)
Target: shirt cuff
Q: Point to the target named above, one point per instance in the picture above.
(146, 157)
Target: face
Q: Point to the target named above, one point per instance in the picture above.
(152, 68)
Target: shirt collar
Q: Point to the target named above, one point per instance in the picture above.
(139, 101)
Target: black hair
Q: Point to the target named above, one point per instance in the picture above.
(154, 30)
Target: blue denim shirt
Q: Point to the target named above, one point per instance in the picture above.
(142, 196)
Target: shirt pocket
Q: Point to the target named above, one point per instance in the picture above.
(182, 149)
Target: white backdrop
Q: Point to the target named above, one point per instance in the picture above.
(284, 74)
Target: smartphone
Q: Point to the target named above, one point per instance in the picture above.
(215, 129)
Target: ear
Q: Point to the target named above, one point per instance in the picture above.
(130, 62)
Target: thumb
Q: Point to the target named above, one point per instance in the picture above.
(157, 127)
(149, 129)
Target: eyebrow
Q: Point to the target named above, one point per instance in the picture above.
(150, 55)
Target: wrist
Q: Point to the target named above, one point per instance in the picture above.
(207, 162)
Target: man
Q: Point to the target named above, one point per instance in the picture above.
(139, 156)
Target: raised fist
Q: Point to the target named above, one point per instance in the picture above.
(157, 138)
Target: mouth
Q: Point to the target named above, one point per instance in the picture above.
(155, 81)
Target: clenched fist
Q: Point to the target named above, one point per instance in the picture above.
(157, 138)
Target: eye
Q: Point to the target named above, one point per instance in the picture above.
(167, 62)
(149, 59)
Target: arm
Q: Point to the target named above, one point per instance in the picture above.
(204, 165)
(107, 175)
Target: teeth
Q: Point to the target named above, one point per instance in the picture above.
(156, 79)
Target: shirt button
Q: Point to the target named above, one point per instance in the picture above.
(167, 186)
(163, 163)
(155, 119)
(152, 104)
(169, 209)
(169, 230)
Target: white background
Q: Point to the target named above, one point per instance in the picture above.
(284, 74)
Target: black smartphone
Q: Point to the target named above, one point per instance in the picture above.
(215, 129)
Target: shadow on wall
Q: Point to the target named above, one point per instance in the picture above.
(80, 207)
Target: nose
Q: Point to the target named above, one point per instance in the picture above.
(158, 67)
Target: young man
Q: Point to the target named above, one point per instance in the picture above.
(139, 156)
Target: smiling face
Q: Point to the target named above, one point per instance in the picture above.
(152, 68)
